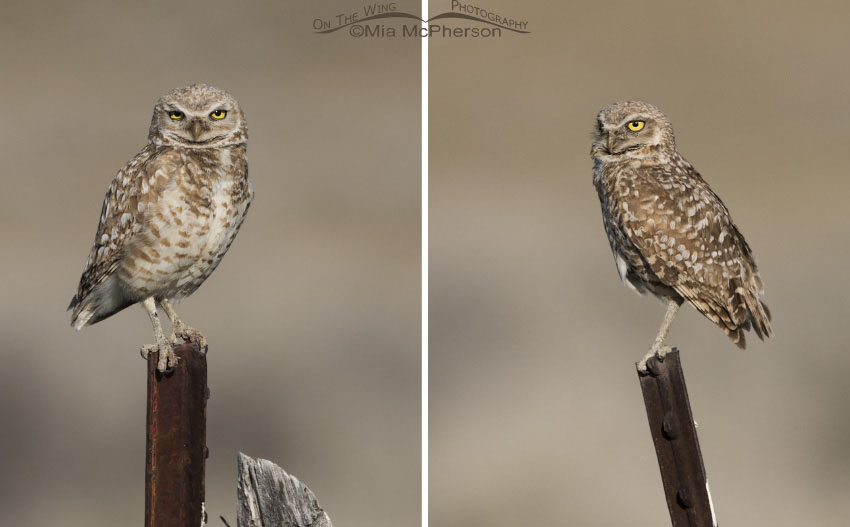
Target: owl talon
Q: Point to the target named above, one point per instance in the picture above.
(662, 352)
(183, 333)
(147, 350)
(167, 360)
(658, 353)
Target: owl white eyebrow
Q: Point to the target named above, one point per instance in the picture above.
(633, 117)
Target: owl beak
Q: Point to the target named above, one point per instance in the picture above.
(196, 130)
(610, 143)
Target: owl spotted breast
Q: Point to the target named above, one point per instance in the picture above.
(670, 234)
(170, 214)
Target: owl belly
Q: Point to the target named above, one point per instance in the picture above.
(185, 242)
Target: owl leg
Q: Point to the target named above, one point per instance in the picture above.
(180, 330)
(167, 359)
(658, 348)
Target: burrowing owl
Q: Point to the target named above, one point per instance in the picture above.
(170, 214)
(669, 232)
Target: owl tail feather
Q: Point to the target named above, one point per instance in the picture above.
(81, 314)
(737, 335)
(760, 317)
(106, 299)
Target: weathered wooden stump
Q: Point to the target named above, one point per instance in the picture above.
(269, 497)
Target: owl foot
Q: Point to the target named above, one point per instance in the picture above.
(183, 333)
(167, 359)
(657, 352)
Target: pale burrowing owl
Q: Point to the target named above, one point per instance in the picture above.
(670, 234)
(170, 214)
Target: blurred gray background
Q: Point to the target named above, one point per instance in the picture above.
(312, 318)
(536, 411)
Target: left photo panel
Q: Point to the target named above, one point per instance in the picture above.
(233, 192)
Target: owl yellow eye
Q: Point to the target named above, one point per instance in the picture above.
(636, 126)
(218, 114)
(175, 115)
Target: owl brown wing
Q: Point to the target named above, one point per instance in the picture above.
(686, 235)
(119, 222)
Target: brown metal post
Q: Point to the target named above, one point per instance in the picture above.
(176, 440)
(676, 444)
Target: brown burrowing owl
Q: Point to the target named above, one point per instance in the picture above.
(670, 234)
(170, 214)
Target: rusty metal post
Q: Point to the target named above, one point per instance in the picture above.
(176, 440)
(676, 445)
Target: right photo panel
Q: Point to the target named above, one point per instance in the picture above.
(694, 154)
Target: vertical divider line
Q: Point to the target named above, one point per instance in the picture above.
(424, 235)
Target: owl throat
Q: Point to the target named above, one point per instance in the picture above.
(649, 154)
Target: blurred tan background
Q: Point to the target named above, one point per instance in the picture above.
(536, 411)
(312, 318)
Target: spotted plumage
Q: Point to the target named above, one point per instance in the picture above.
(671, 235)
(170, 214)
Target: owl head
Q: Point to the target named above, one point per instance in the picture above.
(632, 129)
(197, 116)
